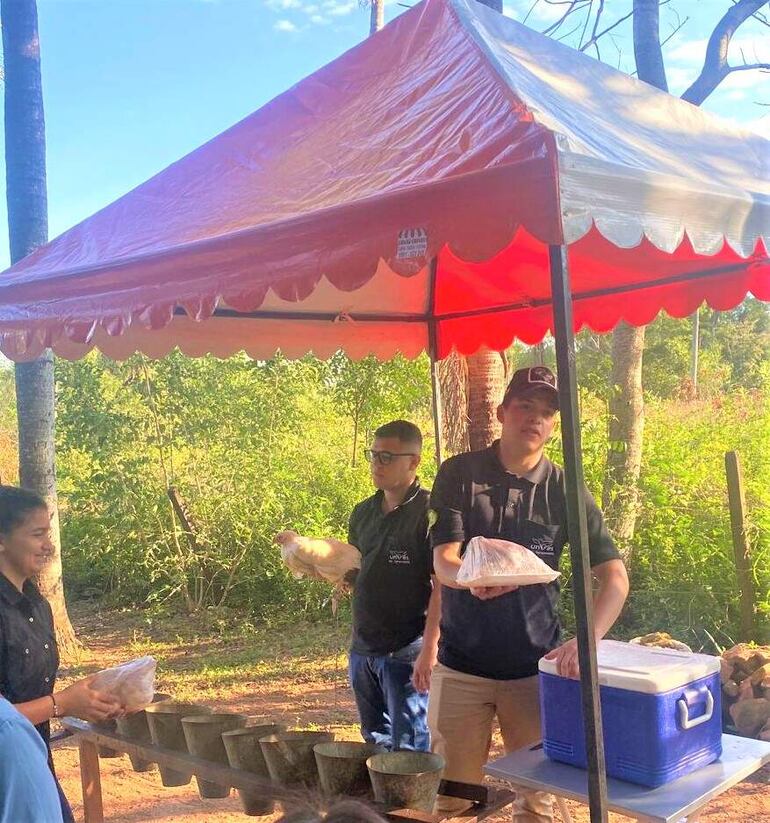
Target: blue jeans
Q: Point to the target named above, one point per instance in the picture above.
(393, 713)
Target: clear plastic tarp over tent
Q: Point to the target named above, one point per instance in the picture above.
(405, 194)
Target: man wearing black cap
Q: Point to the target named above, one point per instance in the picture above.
(492, 638)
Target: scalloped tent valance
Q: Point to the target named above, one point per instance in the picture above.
(413, 186)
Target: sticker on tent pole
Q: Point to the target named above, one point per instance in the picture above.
(412, 243)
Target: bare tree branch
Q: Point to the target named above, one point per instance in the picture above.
(587, 21)
(675, 31)
(599, 13)
(751, 67)
(715, 66)
(573, 6)
(618, 50)
(648, 43)
(567, 34)
(595, 37)
(531, 9)
(761, 18)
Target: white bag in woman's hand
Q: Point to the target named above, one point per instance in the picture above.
(132, 684)
(491, 562)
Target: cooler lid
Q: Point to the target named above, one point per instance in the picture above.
(645, 668)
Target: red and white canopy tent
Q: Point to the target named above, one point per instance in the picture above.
(425, 191)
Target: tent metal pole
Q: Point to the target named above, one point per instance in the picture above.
(435, 384)
(578, 531)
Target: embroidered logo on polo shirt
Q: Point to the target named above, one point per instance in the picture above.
(398, 557)
(542, 544)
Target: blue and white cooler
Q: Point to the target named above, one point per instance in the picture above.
(661, 712)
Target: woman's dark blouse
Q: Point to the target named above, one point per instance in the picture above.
(29, 658)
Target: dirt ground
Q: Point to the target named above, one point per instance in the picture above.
(295, 687)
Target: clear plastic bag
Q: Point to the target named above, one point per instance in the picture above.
(132, 683)
(491, 562)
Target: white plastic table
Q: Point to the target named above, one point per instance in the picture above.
(680, 800)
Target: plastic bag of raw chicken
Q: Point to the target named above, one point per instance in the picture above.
(318, 558)
(492, 562)
(132, 684)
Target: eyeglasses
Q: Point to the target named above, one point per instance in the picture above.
(384, 458)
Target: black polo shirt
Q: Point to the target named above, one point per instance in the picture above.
(29, 658)
(474, 496)
(391, 592)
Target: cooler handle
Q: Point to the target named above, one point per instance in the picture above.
(684, 712)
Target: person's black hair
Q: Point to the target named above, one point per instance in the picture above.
(405, 431)
(15, 505)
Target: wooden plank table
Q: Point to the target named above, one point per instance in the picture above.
(485, 801)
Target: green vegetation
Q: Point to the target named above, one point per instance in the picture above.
(256, 447)
(253, 448)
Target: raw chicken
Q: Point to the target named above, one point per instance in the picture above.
(491, 562)
(318, 558)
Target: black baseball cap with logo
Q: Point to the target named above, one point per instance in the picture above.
(527, 381)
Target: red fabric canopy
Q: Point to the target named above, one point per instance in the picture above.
(454, 134)
(609, 284)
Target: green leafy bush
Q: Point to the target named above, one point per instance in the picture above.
(251, 447)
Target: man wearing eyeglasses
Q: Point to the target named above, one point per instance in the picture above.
(395, 604)
(493, 637)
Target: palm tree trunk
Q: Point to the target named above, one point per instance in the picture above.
(486, 383)
(472, 387)
(453, 379)
(28, 228)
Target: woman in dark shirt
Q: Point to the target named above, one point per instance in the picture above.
(28, 655)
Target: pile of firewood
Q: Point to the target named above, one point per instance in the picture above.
(745, 675)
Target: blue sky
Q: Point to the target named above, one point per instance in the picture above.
(132, 85)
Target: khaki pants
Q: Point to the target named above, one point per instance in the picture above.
(461, 710)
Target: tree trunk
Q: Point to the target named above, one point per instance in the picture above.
(471, 390)
(486, 383)
(624, 456)
(716, 66)
(648, 53)
(377, 20)
(28, 228)
(35, 410)
(453, 378)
